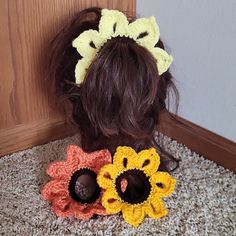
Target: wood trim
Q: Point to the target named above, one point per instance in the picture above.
(39, 132)
(202, 141)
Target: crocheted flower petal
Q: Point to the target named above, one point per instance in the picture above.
(61, 207)
(59, 170)
(106, 175)
(88, 43)
(81, 69)
(77, 207)
(111, 201)
(86, 213)
(155, 209)
(124, 158)
(96, 160)
(113, 23)
(63, 169)
(80, 155)
(165, 184)
(145, 31)
(55, 189)
(164, 60)
(73, 152)
(99, 209)
(148, 161)
(133, 214)
(83, 211)
(103, 157)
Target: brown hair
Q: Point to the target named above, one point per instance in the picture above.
(122, 96)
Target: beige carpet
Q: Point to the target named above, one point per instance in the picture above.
(204, 202)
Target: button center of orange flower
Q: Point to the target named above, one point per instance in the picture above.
(83, 186)
(133, 186)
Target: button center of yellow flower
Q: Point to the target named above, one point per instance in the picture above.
(133, 186)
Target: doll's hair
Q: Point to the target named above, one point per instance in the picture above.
(122, 96)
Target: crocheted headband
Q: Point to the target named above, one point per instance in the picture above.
(113, 23)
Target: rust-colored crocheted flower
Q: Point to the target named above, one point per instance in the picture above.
(74, 190)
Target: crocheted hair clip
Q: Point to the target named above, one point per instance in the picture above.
(113, 23)
(133, 185)
(73, 190)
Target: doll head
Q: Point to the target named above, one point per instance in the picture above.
(120, 100)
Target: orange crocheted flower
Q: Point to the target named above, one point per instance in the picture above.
(63, 192)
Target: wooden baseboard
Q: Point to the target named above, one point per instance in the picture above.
(204, 142)
(28, 135)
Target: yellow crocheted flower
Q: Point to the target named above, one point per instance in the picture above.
(133, 185)
(113, 23)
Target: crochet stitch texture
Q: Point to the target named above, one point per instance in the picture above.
(113, 23)
(57, 190)
(126, 160)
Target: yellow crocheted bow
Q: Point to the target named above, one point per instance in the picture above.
(133, 185)
(113, 23)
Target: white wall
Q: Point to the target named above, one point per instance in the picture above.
(201, 35)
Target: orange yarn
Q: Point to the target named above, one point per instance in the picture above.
(57, 192)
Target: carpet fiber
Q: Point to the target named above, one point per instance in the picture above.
(203, 202)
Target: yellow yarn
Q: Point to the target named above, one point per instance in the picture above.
(109, 19)
(153, 205)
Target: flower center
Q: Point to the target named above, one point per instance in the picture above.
(83, 186)
(136, 188)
